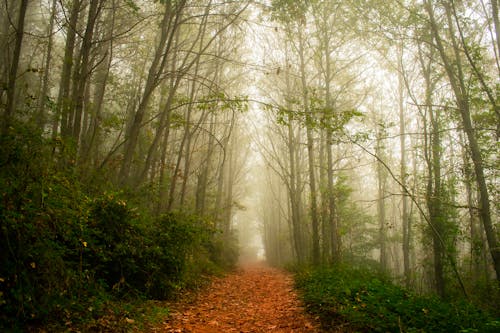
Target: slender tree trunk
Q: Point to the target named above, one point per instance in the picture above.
(332, 209)
(310, 152)
(496, 22)
(459, 88)
(334, 229)
(293, 192)
(201, 189)
(41, 116)
(176, 173)
(434, 198)
(187, 128)
(93, 135)
(223, 170)
(83, 73)
(63, 104)
(325, 218)
(162, 181)
(381, 213)
(476, 246)
(294, 195)
(163, 125)
(11, 86)
(185, 143)
(228, 192)
(432, 154)
(404, 199)
(169, 25)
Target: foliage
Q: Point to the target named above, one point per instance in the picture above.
(287, 10)
(367, 301)
(67, 256)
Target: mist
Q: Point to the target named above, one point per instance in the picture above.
(146, 145)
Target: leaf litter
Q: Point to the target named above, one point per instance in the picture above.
(255, 298)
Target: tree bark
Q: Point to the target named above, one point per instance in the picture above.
(169, 26)
(11, 86)
(41, 118)
(456, 78)
(310, 151)
(404, 199)
(381, 177)
(83, 71)
(62, 108)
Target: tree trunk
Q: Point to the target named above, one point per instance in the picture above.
(83, 73)
(496, 22)
(90, 145)
(202, 184)
(293, 192)
(334, 229)
(310, 152)
(434, 198)
(325, 218)
(294, 195)
(381, 177)
(41, 118)
(169, 26)
(11, 86)
(459, 88)
(404, 199)
(62, 107)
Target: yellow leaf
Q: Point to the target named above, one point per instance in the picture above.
(130, 321)
(33, 265)
(2, 279)
(84, 244)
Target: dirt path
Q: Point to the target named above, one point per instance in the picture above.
(254, 299)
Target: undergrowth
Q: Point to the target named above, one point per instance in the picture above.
(74, 257)
(363, 300)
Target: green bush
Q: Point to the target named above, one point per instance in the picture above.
(42, 218)
(183, 248)
(66, 254)
(366, 301)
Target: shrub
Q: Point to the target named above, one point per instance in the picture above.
(367, 301)
(65, 256)
(42, 217)
(182, 249)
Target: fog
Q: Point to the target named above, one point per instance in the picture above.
(297, 132)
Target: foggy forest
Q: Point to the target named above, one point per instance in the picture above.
(249, 165)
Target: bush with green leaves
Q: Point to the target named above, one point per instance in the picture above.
(366, 301)
(42, 218)
(183, 247)
(66, 253)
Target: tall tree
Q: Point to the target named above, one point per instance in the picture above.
(170, 23)
(403, 174)
(14, 66)
(453, 65)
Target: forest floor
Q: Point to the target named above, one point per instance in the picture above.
(255, 298)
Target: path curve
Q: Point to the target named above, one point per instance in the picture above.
(253, 299)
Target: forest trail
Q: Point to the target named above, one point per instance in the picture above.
(255, 298)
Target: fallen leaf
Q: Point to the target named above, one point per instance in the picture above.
(253, 299)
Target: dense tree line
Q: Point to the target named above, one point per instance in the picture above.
(383, 129)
